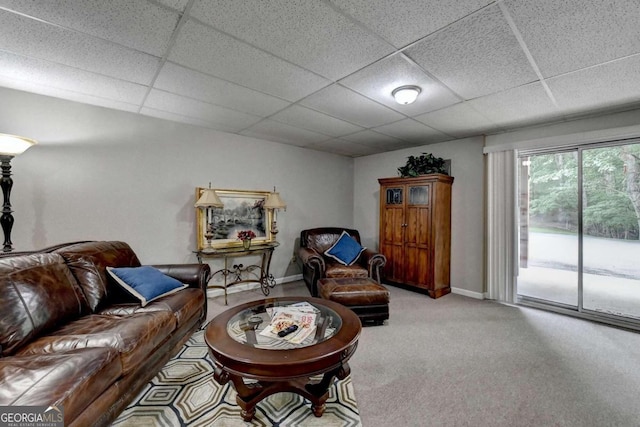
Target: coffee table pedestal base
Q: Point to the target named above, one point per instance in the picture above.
(249, 395)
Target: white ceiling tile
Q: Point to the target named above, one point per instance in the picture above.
(33, 38)
(338, 101)
(140, 25)
(312, 120)
(404, 21)
(475, 56)
(279, 132)
(63, 77)
(376, 139)
(414, 132)
(571, 34)
(193, 84)
(169, 102)
(214, 53)
(609, 85)
(459, 120)
(146, 111)
(322, 40)
(345, 148)
(178, 5)
(378, 81)
(30, 86)
(517, 107)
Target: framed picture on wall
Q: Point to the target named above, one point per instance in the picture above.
(243, 210)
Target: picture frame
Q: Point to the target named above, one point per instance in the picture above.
(243, 210)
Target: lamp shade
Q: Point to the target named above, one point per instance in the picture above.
(209, 199)
(12, 145)
(406, 94)
(274, 201)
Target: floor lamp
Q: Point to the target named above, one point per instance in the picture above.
(10, 146)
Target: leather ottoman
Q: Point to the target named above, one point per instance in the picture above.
(368, 299)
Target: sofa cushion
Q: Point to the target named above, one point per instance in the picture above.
(345, 250)
(88, 262)
(134, 336)
(37, 293)
(72, 379)
(145, 283)
(184, 305)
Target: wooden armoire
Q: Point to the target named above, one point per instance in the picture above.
(415, 232)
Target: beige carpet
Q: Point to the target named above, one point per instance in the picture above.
(458, 361)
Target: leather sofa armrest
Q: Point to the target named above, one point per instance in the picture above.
(311, 258)
(194, 275)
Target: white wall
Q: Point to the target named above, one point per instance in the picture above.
(467, 235)
(100, 174)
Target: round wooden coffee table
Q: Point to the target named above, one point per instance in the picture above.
(242, 350)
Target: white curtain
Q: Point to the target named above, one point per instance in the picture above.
(501, 225)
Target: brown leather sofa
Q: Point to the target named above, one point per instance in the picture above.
(70, 336)
(316, 265)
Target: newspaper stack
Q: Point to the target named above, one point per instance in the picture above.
(303, 315)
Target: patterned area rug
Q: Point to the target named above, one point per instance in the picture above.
(184, 393)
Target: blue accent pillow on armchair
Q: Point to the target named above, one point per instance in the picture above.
(145, 283)
(345, 250)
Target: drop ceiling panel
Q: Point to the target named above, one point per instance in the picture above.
(412, 131)
(217, 54)
(517, 107)
(236, 63)
(280, 132)
(59, 76)
(30, 86)
(305, 118)
(219, 116)
(376, 139)
(193, 84)
(458, 120)
(404, 21)
(184, 119)
(611, 84)
(378, 81)
(475, 56)
(33, 38)
(346, 148)
(338, 101)
(140, 25)
(571, 34)
(308, 33)
(178, 5)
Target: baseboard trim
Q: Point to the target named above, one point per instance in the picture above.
(467, 293)
(216, 292)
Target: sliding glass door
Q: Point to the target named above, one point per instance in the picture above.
(579, 229)
(611, 250)
(549, 228)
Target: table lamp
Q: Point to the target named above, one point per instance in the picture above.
(274, 202)
(209, 202)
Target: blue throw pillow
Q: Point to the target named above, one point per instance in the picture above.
(345, 250)
(145, 283)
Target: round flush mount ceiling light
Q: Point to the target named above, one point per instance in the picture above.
(406, 94)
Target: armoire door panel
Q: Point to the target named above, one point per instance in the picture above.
(411, 274)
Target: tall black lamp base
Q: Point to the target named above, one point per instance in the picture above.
(6, 220)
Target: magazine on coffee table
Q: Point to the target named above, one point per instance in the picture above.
(293, 323)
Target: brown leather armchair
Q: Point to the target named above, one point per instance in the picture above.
(316, 265)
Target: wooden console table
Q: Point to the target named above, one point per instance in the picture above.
(253, 273)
